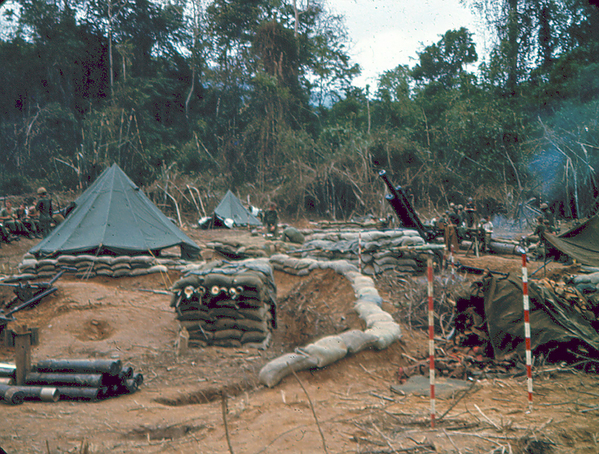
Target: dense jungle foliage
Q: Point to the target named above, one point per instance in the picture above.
(256, 96)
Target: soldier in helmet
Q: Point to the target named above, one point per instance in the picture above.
(548, 217)
(470, 212)
(44, 210)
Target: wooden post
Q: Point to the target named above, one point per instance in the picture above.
(22, 353)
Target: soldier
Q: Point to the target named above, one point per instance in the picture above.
(31, 224)
(548, 215)
(44, 210)
(470, 211)
(271, 219)
(9, 219)
(451, 237)
(486, 230)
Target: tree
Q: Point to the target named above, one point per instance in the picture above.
(444, 63)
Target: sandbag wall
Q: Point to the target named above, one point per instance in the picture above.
(381, 330)
(88, 266)
(227, 304)
(86, 380)
(401, 249)
(236, 250)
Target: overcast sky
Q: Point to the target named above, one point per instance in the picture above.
(387, 33)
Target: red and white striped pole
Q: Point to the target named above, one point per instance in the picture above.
(431, 338)
(360, 251)
(451, 262)
(527, 329)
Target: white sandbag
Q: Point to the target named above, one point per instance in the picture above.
(357, 340)
(371, 299)
(366, 308)
(46, 262)
(157, 269)
(326, 350)
(364, 291)
(121, 259)
(28, 264)
(273, 372)
(121, 273)
(374, 319)
(586, 278)
(386, 334)
(361, 282)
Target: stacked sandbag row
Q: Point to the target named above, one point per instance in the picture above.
(227, 305)
(88, 266)
(86, 380)
(237, 251)
(401, 249)
(381, 330)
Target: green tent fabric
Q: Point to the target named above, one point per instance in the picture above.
(231, 208)
(580, 243)
(113, 216)
(553, 321)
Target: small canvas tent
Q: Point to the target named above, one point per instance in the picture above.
(113, 216)
(231, 208)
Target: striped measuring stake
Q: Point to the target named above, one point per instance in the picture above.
(451, 262)
(527, 329)
(431, 338)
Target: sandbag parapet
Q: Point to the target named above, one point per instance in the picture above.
(381, 330)
(87, 266)
(227, 304)
(401, 250)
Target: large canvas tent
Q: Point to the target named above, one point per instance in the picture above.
(580, 243)
(113, 216)
(231, 208)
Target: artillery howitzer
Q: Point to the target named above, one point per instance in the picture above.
(405, 212)
(27, 295)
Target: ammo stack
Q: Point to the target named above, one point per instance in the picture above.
(227, 305)
(77, 379)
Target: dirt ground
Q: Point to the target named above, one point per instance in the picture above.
(346, 407)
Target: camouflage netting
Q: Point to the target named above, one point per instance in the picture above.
(401, 250)
(227, 304)
(89, 266)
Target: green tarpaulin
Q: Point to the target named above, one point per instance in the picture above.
(553, 321)
(114, 216)
(580, 243)
(231, 208)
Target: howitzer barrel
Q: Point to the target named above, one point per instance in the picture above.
(80, 366)
(31, 301)
(402, 206)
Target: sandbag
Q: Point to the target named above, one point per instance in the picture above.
(357, 340)
(326, 350)
(386, 334)
(227, 334)
(273, 372)
(253, 337)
